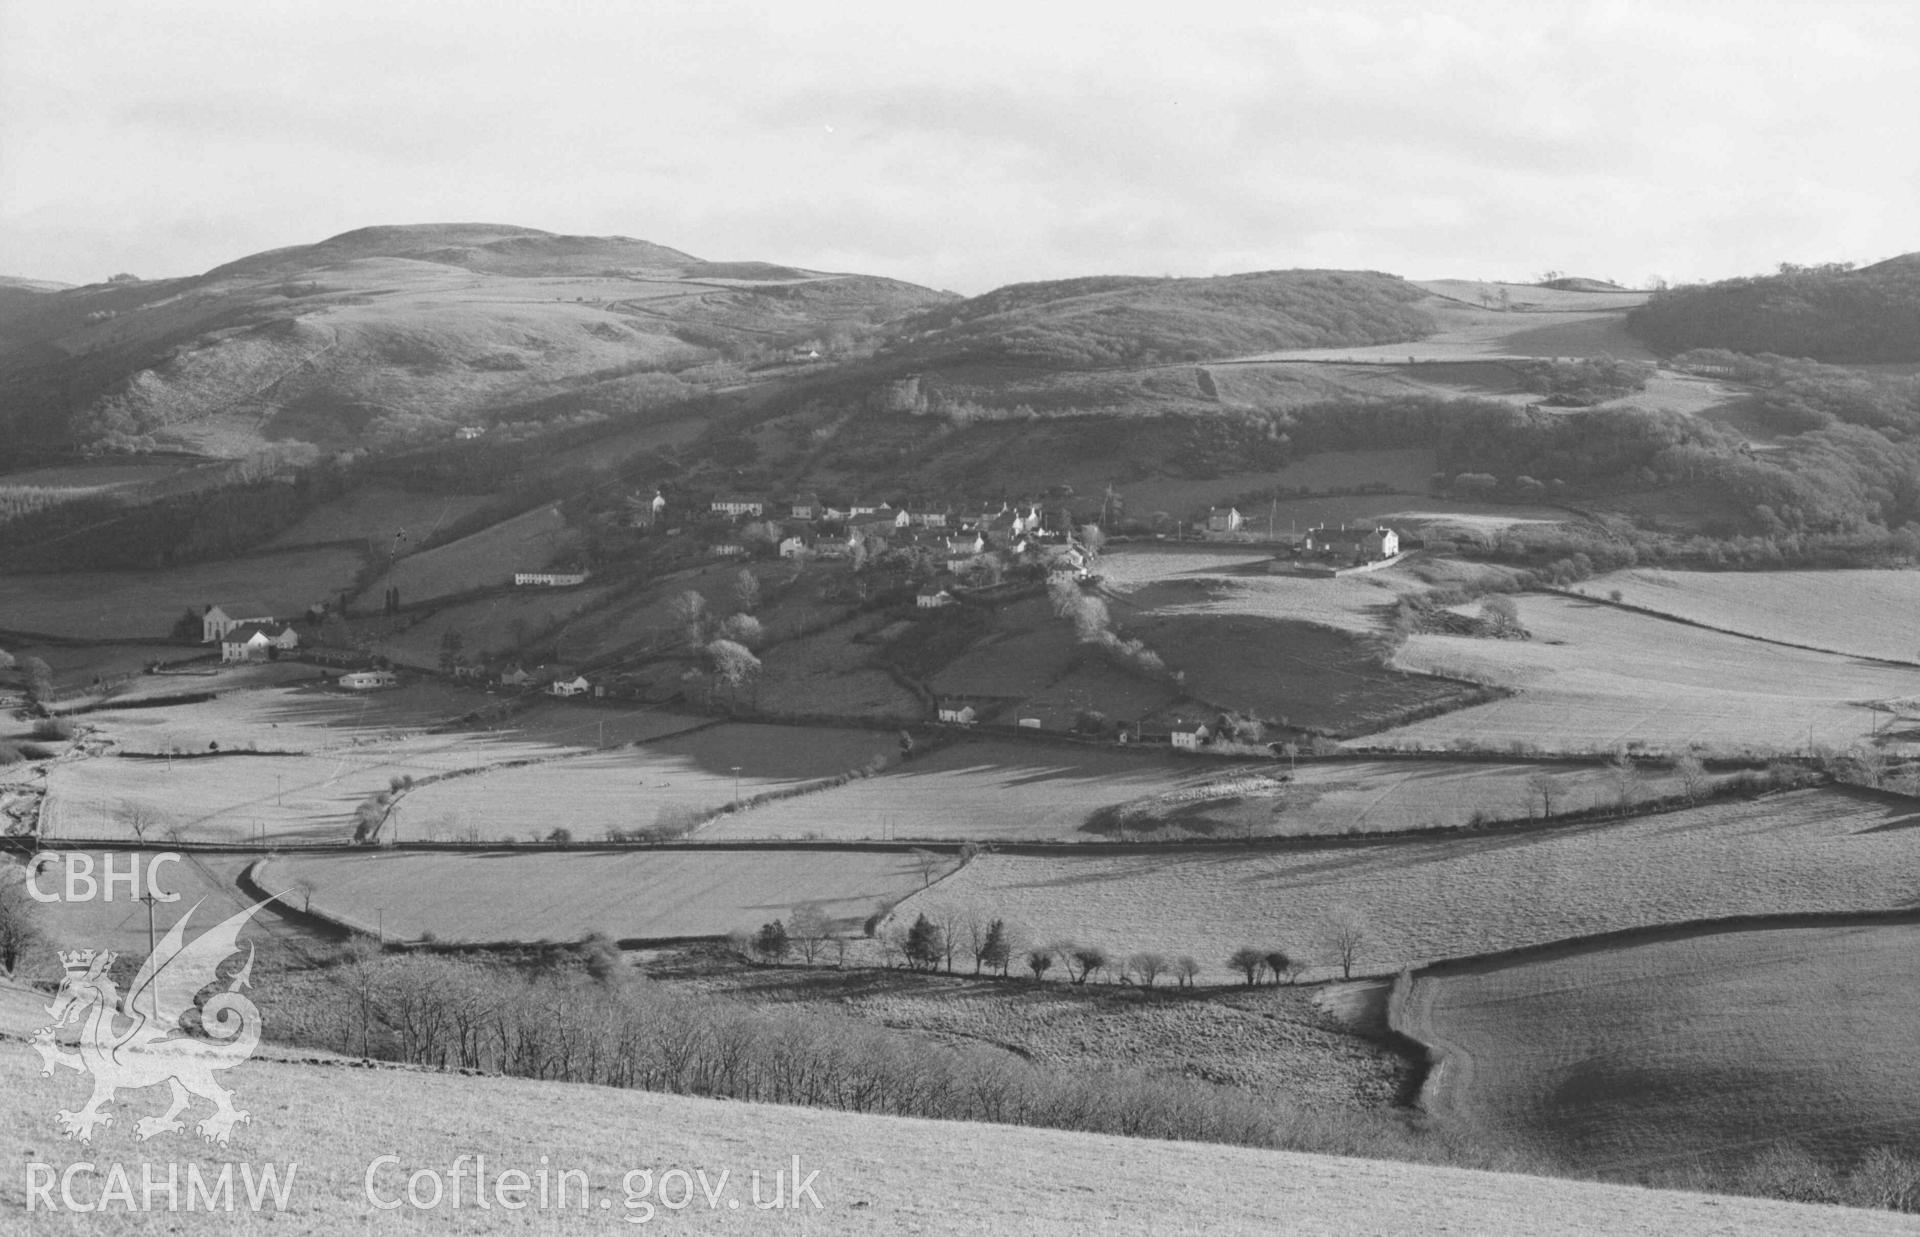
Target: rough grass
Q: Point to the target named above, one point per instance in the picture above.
(546, 896)
(1861, 613)
(1432, 899)
(1702, 1050)
(103, 605)
(1595, 677)
(878, 1175)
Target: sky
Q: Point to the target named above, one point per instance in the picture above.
(970, 146)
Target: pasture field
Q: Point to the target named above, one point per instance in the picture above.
(635, 787)
(1422, 900)
(91, 478)
(1468, 333)
(495, 625)
(486, 559)
(105, 605)
(1531, 298)
(828, 673)
(388, 519)
(211, 881)
(1595, 677)
(75, 668)
(1356, 604)
(559, 896)
(974, 788)
(1296, 673)
(1862, 613)
(883, 1175)
(308, 717)
(1377, 796)
(1706, 1048)
(1027, 649)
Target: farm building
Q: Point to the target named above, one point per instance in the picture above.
(257, 642)
(1361, 544)
(217, 620)
(933, 599)
(965, 547)
(739, 504)
(958, 712)
(470, 431)
(923, 516)
(805, 507)
(794, 547)
(516, 677)
(730, 549)
(1191, 737)
(1225, 520)
(549, 579)
(368, 680)
(575, 686)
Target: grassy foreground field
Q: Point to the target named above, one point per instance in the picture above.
(488, 558)
(1707, 1048)
(877, 1174)
(1861, 613)
(1596, 677)
(560, 896)
(1819, 850)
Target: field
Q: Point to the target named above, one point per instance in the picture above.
(389, 519)
(1422, 900)
(1595, 677)
(1402, 468)
(1702, 1048)
(102, 605)
(975, 788)
(1859, 613)
(495, 625)
(877, 1175)
(1299, 674)
(828, 673)
(486, 559)
(1356, 603)
(1368, 796)
(559, 896)
(1275, 1040)
(633, 787)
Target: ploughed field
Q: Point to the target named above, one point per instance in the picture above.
(501, 896)
(1702, 1048)
(1426, 899)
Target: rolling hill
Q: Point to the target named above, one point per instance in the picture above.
(1827, 313)
(392, 334)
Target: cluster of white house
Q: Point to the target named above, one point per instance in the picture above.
(1363, 543)
(246, 632)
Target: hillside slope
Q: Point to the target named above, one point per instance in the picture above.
(876, 1174)
(1828, 313)
(401, 333)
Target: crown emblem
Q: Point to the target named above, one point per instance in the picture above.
(83, 961)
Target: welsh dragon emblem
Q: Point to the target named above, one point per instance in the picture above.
(140, 1041)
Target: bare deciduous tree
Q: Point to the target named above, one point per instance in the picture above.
(1346, 932)
(1247, 960)
(1544, 787)
(689, 610)
(1039, 961)
(809, 926)
(19, 918)
(140, 820)
(1692, 772)
(1147, 967)
(746, 590)
(1187, 969)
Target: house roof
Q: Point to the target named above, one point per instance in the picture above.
(247, 631)
(241, 609)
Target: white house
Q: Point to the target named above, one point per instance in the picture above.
(928, 517)
(1361, 544)
(257, 642)
(1191, 737)
(575, 686)
(218, 620)
(739, 504)
(1225, 520)
(805, 507)
(516, 677)
(793, 547)
(368, 680)
(933, 599)
(958, 712)
(966, 547)
(470, 431)
(549, 579)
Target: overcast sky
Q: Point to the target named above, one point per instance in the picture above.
(968, 146)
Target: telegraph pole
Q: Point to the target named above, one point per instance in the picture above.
(153, 991)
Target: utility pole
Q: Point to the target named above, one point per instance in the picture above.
(736, 783)
(153, 990)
